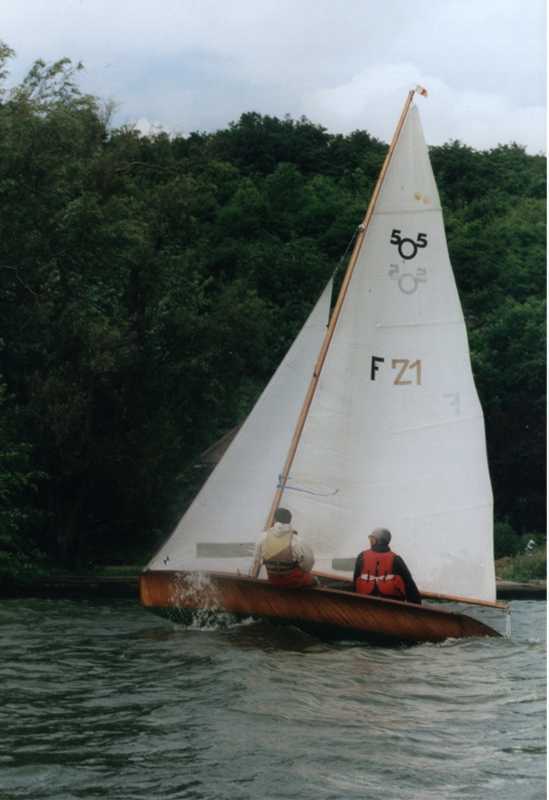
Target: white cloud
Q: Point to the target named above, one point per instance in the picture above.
(373, 99)
(147, 128)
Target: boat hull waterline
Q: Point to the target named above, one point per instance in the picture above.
(318, 610)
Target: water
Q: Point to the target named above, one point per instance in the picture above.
(104, 700)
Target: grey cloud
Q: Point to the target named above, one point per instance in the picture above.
(197, 64)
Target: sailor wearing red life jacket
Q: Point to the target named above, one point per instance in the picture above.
(287, 559)
(381, 573)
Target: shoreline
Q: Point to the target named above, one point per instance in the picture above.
(103, 586)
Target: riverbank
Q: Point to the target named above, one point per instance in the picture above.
(105, 586)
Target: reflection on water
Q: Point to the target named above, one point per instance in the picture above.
(107, 701)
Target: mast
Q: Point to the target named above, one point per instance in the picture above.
(363, 227)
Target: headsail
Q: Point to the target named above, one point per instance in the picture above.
(395, 435)
(220, 528)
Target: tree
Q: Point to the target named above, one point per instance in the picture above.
(150, 285)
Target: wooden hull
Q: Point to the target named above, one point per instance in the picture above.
(323, 611)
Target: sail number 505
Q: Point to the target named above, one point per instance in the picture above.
(408, 248)
(407, 372)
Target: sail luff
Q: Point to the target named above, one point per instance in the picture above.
(337, 310)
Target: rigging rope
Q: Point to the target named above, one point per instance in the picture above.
(349, 246)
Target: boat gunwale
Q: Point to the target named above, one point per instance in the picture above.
(426, 595)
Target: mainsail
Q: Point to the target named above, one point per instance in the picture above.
(220, 528)
(394, 436)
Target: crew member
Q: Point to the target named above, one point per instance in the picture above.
(287, 559)
(381, 573)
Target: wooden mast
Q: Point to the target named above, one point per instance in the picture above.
(335, 314)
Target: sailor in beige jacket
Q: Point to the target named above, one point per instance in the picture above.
(287, 559)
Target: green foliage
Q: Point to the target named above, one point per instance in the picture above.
(525, 567)
(506, 541)
(149, 287)
(19, 554)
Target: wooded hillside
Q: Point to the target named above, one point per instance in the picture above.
(149, 287)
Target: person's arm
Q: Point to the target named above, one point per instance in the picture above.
(358, 569)
(257, 562)
(412, 592)
(302, 553)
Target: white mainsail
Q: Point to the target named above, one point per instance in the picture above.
(395, 434)
(220, 528)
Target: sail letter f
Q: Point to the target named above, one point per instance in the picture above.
(374, 367)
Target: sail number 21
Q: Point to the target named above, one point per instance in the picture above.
(408, 372)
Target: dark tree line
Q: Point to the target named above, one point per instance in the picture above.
(149, 287)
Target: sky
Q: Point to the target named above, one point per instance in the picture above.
(196, 65)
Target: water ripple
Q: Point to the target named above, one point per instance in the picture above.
(105, 701)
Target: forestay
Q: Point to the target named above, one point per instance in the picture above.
(220, 528)
(395, 434)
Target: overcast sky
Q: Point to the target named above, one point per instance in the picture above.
(198, 64)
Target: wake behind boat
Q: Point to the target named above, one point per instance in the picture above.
(372, 419)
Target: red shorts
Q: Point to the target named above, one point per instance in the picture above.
(293, 580)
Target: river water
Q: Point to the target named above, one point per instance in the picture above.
(105, 700)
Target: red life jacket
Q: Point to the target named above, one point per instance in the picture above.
(377, 571)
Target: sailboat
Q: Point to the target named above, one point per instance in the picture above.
(371, 420)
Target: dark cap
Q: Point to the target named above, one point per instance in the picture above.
(282, 515)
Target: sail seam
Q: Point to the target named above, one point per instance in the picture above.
(438, 424)
(400, 212)
(432, 324)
